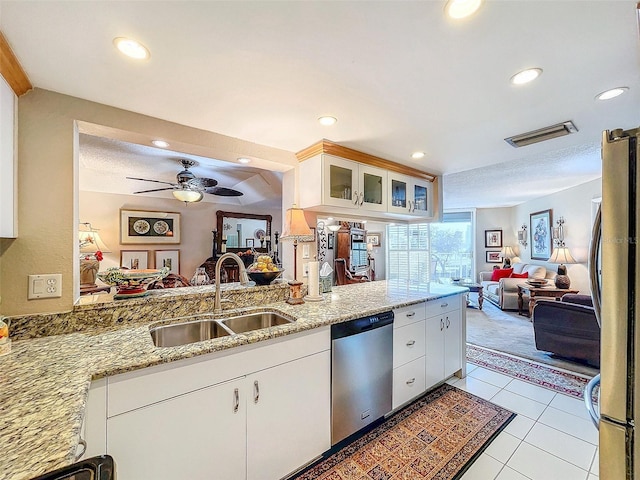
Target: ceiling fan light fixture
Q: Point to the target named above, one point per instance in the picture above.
(160, 143)
(131, 48)
(187, 196)
(458, 9)
(526, 76)
(612, 93)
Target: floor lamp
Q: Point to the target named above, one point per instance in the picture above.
(295, 229)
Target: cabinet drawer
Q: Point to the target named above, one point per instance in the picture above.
(408, 343)
(442, 305)
(408, 382)
(409, 314)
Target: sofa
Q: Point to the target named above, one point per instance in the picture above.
(568, 328)
(504, 292)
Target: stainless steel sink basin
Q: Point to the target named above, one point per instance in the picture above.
(190, 332)
(206, 329)
(254, 321)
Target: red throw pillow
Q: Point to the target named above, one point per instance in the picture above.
(519, 275)
(499, 273)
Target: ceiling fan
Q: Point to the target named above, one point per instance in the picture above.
(190, 188)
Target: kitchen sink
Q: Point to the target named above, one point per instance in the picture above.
(207, 329)
(254, 321)
(189, 332)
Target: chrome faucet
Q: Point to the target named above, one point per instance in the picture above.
(244, 278)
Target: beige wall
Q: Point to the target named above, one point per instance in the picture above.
(197, 222)
(574, 204)
(47, 187)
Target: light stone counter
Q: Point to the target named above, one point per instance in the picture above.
(44, 381)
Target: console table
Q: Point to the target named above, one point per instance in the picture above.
(474, 288)
(536, 292)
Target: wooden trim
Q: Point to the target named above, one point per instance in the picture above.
(11, 70)
(330, 148)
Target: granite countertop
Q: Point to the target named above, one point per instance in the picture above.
(45, 380)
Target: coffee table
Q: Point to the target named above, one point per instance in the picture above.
(536, 292)
(473, 287)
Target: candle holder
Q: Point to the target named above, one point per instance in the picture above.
(295, 293)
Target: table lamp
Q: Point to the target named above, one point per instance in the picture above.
(91, 249)
(507, 254)
(561, 256)
(295, 229)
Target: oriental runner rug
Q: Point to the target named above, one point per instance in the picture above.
(438, 436)
(559, 380)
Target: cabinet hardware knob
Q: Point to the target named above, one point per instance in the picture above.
(444, 305)
(411, 343)
(236, 400)
(412, 314)
(256, 392)
(448, 322)
(361, 198)
(355, 198)
(410, 382)
(441, 325)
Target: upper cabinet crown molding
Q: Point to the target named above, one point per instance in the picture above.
(331, 148)
(11, 69)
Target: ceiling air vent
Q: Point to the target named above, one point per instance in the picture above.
(542, 134)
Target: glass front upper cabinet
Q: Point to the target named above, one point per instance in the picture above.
(353, 185)
(410, 195)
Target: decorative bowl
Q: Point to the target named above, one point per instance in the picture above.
(131, 283)
(264, 278)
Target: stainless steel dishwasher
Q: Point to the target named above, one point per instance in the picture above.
(361, 373)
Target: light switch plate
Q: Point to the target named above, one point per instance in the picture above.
(45, 286)
(305, 251)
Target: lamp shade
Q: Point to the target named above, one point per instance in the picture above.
(90, 241)
(188, 196)
(295, 225)
(561, 255)
(507, 252)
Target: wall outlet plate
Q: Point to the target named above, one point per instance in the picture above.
(305, 269)
(45, 286)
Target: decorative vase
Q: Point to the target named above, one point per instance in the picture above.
(88, 272)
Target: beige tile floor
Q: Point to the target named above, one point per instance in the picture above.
(551, 438)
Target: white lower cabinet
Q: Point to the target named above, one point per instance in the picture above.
(408, 382)
(443, 350)
(260, 424)
(200, 435)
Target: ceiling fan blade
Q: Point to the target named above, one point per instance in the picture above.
(224, 192)
(203, 182)
(147, 180)
(155, 190)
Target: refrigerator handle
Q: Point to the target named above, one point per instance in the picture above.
(594, 283)
(588, 400)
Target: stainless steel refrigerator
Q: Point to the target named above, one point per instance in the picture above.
(615, 275)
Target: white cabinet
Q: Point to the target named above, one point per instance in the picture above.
(443, 350)
(8, 165)
(410, 196)
(193, 436)
(259, 413)
(343, 183)
(408, 353)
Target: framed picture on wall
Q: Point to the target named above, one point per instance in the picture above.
(168, 258)
(540, 230)
(494, 257)
(134, 259)
(144, 227)
(374, 238)
(493, 238)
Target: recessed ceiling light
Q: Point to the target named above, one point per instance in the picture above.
(461, 8)
(160, 143)
(131, 48)
(613, 93)
(526, 76)
(327, 120)
(417, 155)
(244, 160)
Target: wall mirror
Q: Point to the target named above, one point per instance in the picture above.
(242, 231)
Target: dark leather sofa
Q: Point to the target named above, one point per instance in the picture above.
(568, 328)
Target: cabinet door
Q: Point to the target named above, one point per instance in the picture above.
(400, 193)
(408, 382)
(452, 343)
(434, 350)
(8, 168)
(422, 198)
(372, 191)
(340, 182)
(288, 416)
(408, 343)
(200, 435)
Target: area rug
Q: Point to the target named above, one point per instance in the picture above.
(436, 437)
(562, 381)
(511, 333)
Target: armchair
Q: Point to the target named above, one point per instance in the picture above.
(568, 328)
(343, 276)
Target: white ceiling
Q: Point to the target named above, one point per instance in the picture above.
(399, 76)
